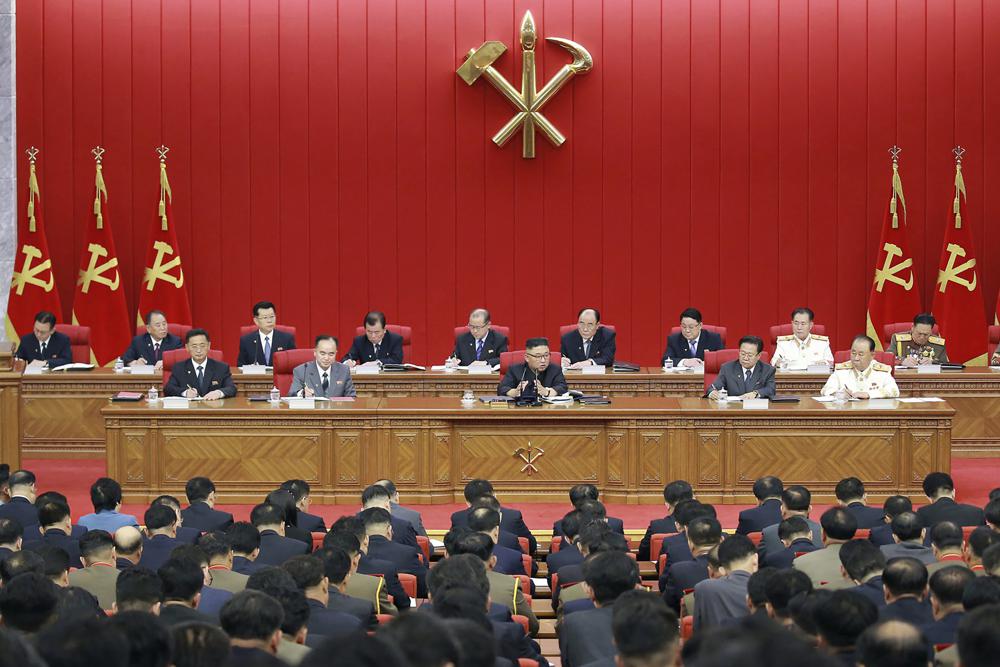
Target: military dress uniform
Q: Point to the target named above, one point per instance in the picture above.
(902, 345)
(815, 349)
(876, 380)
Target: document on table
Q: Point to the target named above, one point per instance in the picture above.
(921, 399)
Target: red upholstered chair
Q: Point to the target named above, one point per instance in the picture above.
(656, 543)
(525, 544)
(284, 363)
(994, 338)
(171, 357)
(79, 341)
(687, 628)
(887, 358)
(409, 584)
(786, 330)
(495, 327)
(524, 623)
(900, 327)
(566, 328)
(179, 330)
(280, 327)
(317, 540)
(526, 563)
(524, 581)
(526, 662)
(555, 544)
(755, 537)
(715, 359)
(708, 327)
(507, 359)
(404, 331)
(425, 548)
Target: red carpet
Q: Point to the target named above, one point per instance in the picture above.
(974, 479)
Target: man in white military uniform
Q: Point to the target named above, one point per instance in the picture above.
(862, 377)
(802, 348)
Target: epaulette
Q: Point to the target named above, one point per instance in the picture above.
(879, 366)
(844, 365)
(904, 336)
(819, 337)
(788, 337)
(936, 340)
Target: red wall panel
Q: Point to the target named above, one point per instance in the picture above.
(725, 154)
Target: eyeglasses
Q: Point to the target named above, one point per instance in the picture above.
(690, 327)
(477, 327)
(538, 356)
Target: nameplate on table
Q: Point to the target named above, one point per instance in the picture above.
(253, 369)
(756, 404)
(592, 370)
(297, 403)
(175, 402)
(485, 369)
(142, 370)
(818, 368)
(929, 368)
(367, 369)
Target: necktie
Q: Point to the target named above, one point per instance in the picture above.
(375, 345)
(201, 378)
(326, 381)
(156, 351)
(44, 343)
(267, 350)
(586, 349)
(746, 375)
(479, 349)
(694, 348)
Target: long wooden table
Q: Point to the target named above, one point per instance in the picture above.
(60, 413)
(432, 446)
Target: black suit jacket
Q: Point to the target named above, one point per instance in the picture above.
(881, 535)
(403, 532)
(142, 348)
(25, 514)
(568, 554)
(552, 377)
(187, 535)
(585, 637)
(156, 551)
(943, 631)
(758, 518)
(664, 526)
(175, 614)
(568, 575)
(252, 349)
(868, 517)
(404, 558)
(871, 589)
(680, 577)
(946, 509)
(732, 376)
(909, 610)
(363, 610)
(602, 347)
(676, 548)
(513, 643)
(246, 566)
(58, 351)
(786, 556)
(56, 538)
(217, 376)
(206, 519)
(509, 561)
(617, 525)
(678, 349)
(311, 522)
(465, 348)
(276, 549)
(386, 570)
(390, 350)
(329, 622)
(510, 521)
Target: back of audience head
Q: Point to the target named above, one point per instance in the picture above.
(895, 505)
(755, 640)
(244, 538)
(484, 519)
(937, 484)
(794, 528)
(343, 540)
(281, 586)
(946, 536)
(182, 580)
(578, 493)
(991, 560)
(286, 501)
(458, 570)
(138, 589)
(28, 601)
(738, 552)
(20, 562)
(608, 575)
(905, 577)
(842, 617)
(378, 522)
(199, 645)
(796, 498)
(907, 527)
(850, 490)
(160, 519)
(980, 539)
(947, 587)
(199, 489)
(475, 641)
(216, 547)
(105, 494)
(253, 617)
(268, 517)
(757, 588)
(861, 560)
(97, 546)
(801, 610)
(479, 545)
(892, 644)
(487, 501)
(704, 532)
(17, 651)
(306, 570)
(980, 592)
(11, 533)
(767, 487)
(645, 630)
(55, 564)
(337, 564)
(54, 514)
(83, 642)
(594, 509)
(476, 488)
(782, 587)
(75, 602)
(571, 524)
(149, 641)
(128, 543)
(992, 512)
(838, 524)
(361, 651)
(977, 637)
(676, 491)
(424, 639)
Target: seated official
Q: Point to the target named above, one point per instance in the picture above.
(748, 376)
(199, 375)
(148, 349)
(590, 345)
(259, 346)
(919, 347)
(45, 346)
(481, 345)
(802, 347)
(536, 375)
(687, 347)
(376, 343)
(325, 377)
(862, 377)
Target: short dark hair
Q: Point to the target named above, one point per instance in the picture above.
(948, 584)
(893, 643)
(425, 639)
(843, 616)
(804, 311)
(734, 549)
(28, 601)
(757, 586)
(866, 339)
(182, 579)
(981, 539)
(266, 514)
(936, 482)
(198, 489)
(676, 491)
(689, 510)
(306, 570)
(215, 545)
(796, 498)
(55, 560)
(704, 531)
(263, 305)
(849, 488)
(457, 570)
(168, 500)
(692, 313)
(105, 494)
(342, 539)
(992, 512)
(785, 585)
(485, 501)
(609, 574)
(285, 501)
(767, 487)
(907, 526)
(905, 576)
(21, 478)
(479, 545)
(351, 524)
(95, 543)
(191, 552)
(580, 492)
(149, 640)
(149, 316)
(336, 563)
(476, 488)
(861, 558)
(277, 583)
(838, 524)
(597, 313)
(299, 488)
(977, 638)
(375, 516)
(484, 519)
(373, 492)
(82, 642)
(194, 333)
(361, 651)
(571, 524)
(642, 625)
(158, 517)
(199, 645)
(251, 614)
(894, 505)
(981, 591)
(374, 317)
(389, 485)
(792, 526)
(45, 317)
(11, 530)
(460, 600)
(947, 535)
(536, 342)
(52, 512)
(756, 341)
(924, 318)
(243, 537)
(138, 588)
(19, 563)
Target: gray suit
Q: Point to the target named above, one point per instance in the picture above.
(911, 549)
(307, 375)
(732, 377)
(771, 544)
(720, 599)
(823, 567)
(412, 516)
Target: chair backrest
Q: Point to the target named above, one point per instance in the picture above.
(280, 327)
(79, 341)
(715, 359)
(994, 332)
(755, 537)
(566, 328)
(525, 545)
(425, 548)
(708, 327)
(887, 358)
(179, 330)
(555, 544)
(900, 327)
(409, 584)
(786, 330)
(526, 563)
(494, 327)
(284, 363)
(399, 329)
(172, 357)
(656, 543)
(317, 540)
(524, 581)
(508, 359)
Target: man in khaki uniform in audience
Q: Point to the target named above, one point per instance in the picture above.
(99, 575)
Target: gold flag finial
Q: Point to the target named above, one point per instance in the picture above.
(32, 153)
(99, 186)
(164, 187)
(98, 152)
(162, 151)
(897, 186)
(959, 186)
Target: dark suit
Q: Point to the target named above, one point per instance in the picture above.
(868, 517)
(871, 589)
(276, 549)
(908, 610)
(244, 565)
(121, 564)
(568, 575)
(602, 347)
(156, 551)
(403, 532)
(58, 351)
(942, 631)
(404, 558)
(206, 519)
(311, 522)
(385, 569)
(585, 637)
(617, 525)
(363, 610)
(216, 376)
(583, 604)
(678, 348)
(510, 521)
(411, 515)
(568, 554)
(509, 561)
(497, 612)
(25, 514)
(758, 518)
(303, 536)
(187, 535)
(881, 535)
(175, 614)
(212, 600)
(785, 557)
(494, 343)
(56, 538)
(390, 350)
(732, 377)
(681, 576)
(946, 509)
(331, 622)
(513, 643)
(664, 526)
(909, 549)
(5, 553)
(142, 348)
(676, 548)
(252, 347)
(551, 377)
